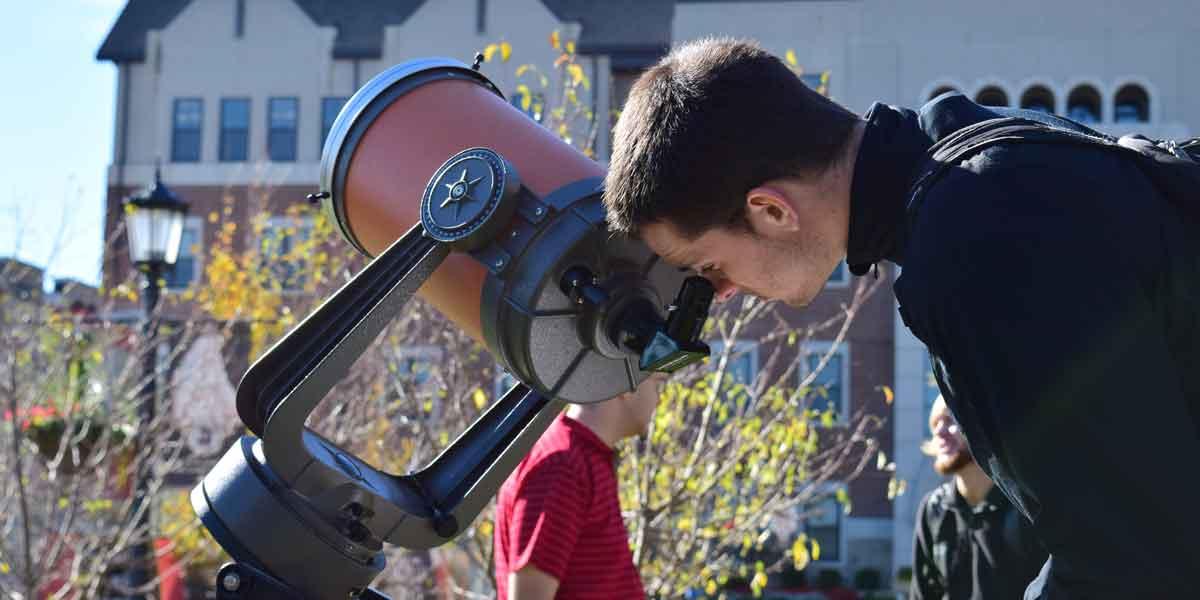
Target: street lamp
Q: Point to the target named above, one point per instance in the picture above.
(154, 226)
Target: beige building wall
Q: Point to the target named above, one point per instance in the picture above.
(900, 52)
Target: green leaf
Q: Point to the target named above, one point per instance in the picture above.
(827, 418)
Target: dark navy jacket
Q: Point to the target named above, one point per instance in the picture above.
(964, 552)
(1059, 295)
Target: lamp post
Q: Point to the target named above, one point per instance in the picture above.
(154, 227)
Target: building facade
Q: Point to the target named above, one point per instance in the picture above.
(233, 99)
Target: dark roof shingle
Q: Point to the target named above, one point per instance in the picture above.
(126, 41)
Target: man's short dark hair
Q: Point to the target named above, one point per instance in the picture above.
(707, 124)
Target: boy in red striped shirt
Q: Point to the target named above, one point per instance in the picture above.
(559, 532)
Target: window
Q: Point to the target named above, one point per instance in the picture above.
(530, 103)
(741, 369)
(235, 129)
(992, 96)
(930, 389)
(830, 387)
(818, 82)
(743, 361)
(282, 116)
(413, 393)
(622, 83)
(187, 266)
(1131, 105)
(945, 89)
(503, 382)
(330, 107)
(840, 276)
(280, 240)
(417, 367)
(1039, 98)
(824, 525)
(1083, 104)
(187, 122)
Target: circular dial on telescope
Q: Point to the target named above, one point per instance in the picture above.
(468, 198)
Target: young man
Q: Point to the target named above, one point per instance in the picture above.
(1054, 284)
(559, 532)
(969, 542)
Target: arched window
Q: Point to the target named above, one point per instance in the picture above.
(1039, 98)
(941, 90)
(1083, 104)
(1131, 105)
(992, 96)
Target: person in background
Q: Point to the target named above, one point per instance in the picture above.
(969, 542)
(559, 532)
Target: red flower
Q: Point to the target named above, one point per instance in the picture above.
(35, 415)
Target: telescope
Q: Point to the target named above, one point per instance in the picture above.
(461, 199)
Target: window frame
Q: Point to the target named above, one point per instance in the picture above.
(325, 103)
(842, 350)
(221, 157)
(828, 493)
(273, 223)
(176, 155)
(196, 224)
(294, 147)
(842, 282)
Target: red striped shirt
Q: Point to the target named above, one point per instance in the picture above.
(559, 512)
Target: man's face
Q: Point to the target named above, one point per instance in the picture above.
(738, 260)
(949, 446)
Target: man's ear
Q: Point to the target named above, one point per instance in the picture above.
(769, 211)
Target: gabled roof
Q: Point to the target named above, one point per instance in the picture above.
(126, 40)
(607, 26)
(634, 32)
(359, 23)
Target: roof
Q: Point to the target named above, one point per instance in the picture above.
(126, 40)
(606, 26)
(359, 23)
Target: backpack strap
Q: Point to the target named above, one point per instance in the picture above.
(1173, 166)
(961, 145)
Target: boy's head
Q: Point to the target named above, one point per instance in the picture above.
(722, 159)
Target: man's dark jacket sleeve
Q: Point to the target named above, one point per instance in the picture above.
(927, 581)
(1040, 284)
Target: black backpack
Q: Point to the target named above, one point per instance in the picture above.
(1172, 166)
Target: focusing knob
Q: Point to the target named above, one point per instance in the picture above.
(470, 199)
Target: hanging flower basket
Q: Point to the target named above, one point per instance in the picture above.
(45, 427)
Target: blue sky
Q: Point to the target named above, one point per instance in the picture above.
(57, 133)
